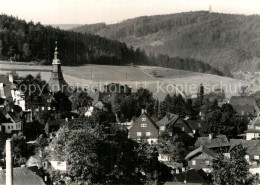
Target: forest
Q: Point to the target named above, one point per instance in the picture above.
(225, 41)
(33, 42)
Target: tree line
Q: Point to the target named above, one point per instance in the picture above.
(30, 42)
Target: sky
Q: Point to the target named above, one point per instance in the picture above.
(114, 11)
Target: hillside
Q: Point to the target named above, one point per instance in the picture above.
(29, 42)
(228, 42)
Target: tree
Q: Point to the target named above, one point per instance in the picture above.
(101, 153)
(234, 170)
(172, 145)
(26, 51)
(81, 101)
(222, 121)
(144, 100)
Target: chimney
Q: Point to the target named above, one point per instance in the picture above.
(210, 136)
(9, 164)
(66, 119)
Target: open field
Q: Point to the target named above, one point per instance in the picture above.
(165, 81)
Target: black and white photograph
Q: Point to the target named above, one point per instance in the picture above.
(129, 92)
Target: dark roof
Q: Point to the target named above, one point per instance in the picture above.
(250, 145)
(244, 103)
(194, 124)
(56, 122)
(169, 118)
(201, 150)
(22, 176)
(218, 141)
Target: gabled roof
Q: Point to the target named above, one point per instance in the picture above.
(252, 126)
(250, 145)
(138, 121)
(169, 118)
(33, 161)
(256, 121)
(199, 150)
(22, 176)
(218, 141)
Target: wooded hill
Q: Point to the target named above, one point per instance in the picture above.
(22, 41)
(223, 40)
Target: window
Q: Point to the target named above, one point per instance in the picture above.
(139, 133)
(258, 149)
(148, 133)
(193, 162)
(143, 125)
(183, 129)
(8, 127)
(12, 127)
(42, 108)
(207, 163)
(151, 141)
(256, 157)
(49, 108)
(143, 119)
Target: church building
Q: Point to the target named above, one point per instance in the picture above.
(57, 82)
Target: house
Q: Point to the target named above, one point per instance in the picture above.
(252, 148)
(253, 131)
(201, 158)
(144, 128)
(22, 176)
(5, 87)
(245, 105)
(195, 125)
(10, 121)
(172, 121)
(219, 143)
(97, 102)
(53, 125)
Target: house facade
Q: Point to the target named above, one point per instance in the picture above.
(173, 121)
(10, 120)
(144, 128)
(201, 158)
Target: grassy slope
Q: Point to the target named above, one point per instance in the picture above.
(139, 76)
(219, 39)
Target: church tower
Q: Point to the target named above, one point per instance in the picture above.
(57, 82)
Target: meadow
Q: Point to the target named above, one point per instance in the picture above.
(158, 80)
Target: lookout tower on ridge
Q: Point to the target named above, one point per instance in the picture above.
(210, 9)
(57, 82)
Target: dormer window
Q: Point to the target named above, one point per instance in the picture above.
(143, 125)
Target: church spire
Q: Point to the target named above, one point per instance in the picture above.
(56, 60)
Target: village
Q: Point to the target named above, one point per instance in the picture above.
(50, 136)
